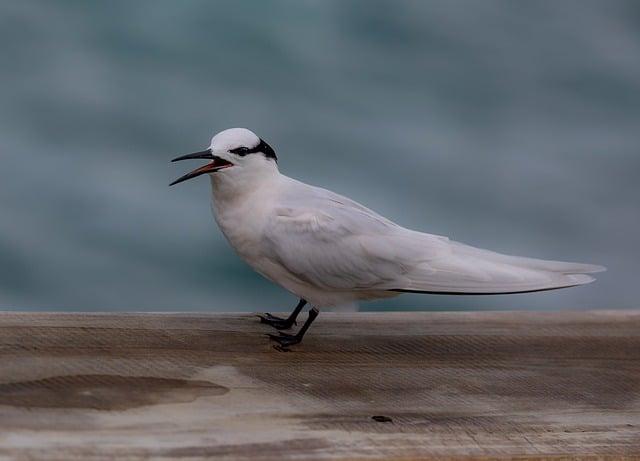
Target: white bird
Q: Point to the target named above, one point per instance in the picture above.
(330, 250)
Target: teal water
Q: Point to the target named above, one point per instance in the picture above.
(513, 126)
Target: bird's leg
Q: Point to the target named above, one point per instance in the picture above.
(283, 324)
(286, 340)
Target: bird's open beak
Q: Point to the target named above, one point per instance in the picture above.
(216, 164)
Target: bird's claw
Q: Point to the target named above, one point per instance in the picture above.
(284, 340)
(267, 316)
(276, 322)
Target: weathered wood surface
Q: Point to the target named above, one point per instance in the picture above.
(90, 386)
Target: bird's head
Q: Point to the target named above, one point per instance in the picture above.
(233, 151)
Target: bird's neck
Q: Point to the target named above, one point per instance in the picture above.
(232, 185)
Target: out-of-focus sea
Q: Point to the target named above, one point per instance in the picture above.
(513, 126)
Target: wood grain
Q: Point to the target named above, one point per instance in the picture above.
(440, 385)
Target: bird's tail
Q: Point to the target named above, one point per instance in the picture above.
(470, 270)
(561, 267)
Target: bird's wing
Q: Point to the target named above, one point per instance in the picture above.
(335, 243)
(469, 270)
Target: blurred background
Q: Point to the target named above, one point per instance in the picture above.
(513, 126)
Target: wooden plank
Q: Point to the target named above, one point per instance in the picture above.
(535, 385)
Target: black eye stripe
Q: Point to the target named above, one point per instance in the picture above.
(262, 147)
(241, 151)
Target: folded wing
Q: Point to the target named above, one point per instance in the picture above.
(337, 244)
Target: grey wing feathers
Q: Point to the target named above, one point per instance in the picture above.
(469, 270)
(337, 244)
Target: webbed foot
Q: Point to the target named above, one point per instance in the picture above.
(276, 322)
(285, 340)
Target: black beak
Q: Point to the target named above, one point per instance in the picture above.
(216, 164)
(202, 154)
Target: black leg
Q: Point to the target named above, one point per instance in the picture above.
(283, 324)
(285, 340)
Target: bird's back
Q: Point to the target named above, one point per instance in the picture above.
(333, 243)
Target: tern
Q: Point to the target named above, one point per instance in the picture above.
(329, 250)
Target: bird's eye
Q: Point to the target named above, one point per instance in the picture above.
(241, 151)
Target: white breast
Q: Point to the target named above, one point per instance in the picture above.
(241, 221)
(241, 214)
